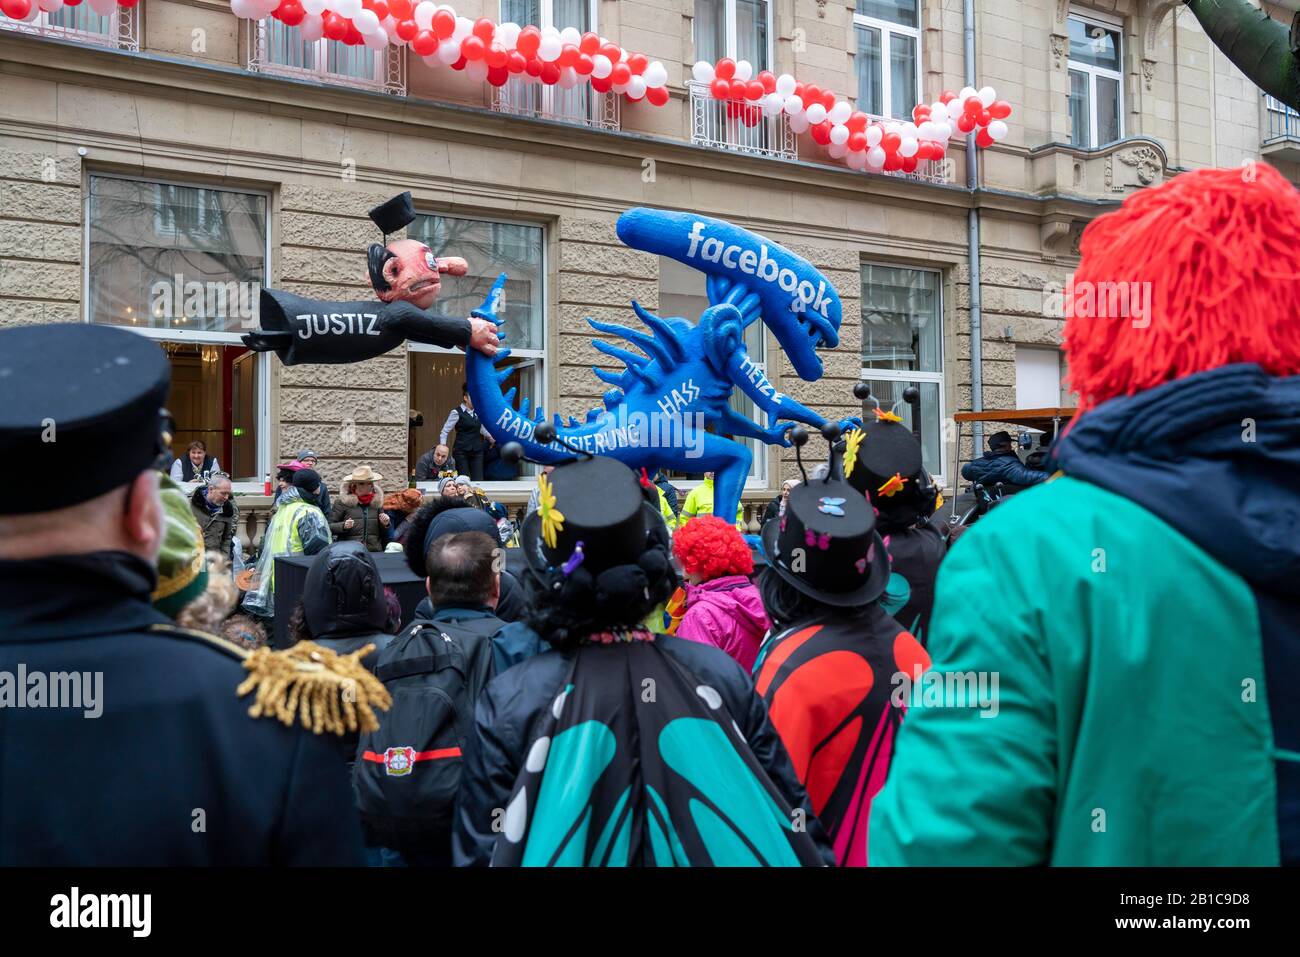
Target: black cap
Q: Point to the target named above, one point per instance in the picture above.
(394, 215)
(887, 469)
(308, 480)
(1000, 440)
(69, 387)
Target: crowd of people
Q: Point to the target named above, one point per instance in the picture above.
(1100, 672)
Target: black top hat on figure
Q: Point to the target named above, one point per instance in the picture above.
(394, 215)
(882, 460)
(826, 544)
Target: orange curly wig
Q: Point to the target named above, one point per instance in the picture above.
(711, 547)
(1220, 249)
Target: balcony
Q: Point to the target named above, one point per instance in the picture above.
(81, 24)
(739, 127)
(580, 105)
(278, 50)
(1282, 131)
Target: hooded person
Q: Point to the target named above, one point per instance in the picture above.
(1001, 464)
(826, 673)
(882, 461)
(358, 515)
(298, 527)
(1140, 609)
(619, 746)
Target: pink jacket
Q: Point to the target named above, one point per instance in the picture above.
(727, 613)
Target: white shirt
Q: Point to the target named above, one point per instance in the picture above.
(178, 468)
(451, 424)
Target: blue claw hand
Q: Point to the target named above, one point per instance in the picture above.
(853, 422)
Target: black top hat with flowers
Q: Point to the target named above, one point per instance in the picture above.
(882, 461)
(825, 544)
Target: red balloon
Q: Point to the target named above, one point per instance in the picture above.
(965, 123)
(483, 29)
(444, 24)
(920, 114)
(516, 62)
(985, 118)
(812, 93)
(737, 90)
(120, 3)
(828, 100)
(354, 37)
(922, 150)
(750, 115)
(909, 164)
(637, 62)
(768, 79)
(857, 122)
(973, 106)
(334, 26)
(400, 9)
(568, 55)
(460, 64)
(407, 30)
(890, 142)
(754, 90)
(732, 106)
(893, 162)
(424, 43)
(720, 88)
(380, 8)
(292, 14)
(612, 51)
(601, 84)
(497, 76)
(657, 95)
(533, 67)
(799, 90)
(947, 96)
(497, 57)
(72, 3)
(550, 73)
(821, 133)
(621, 73)
(530, 38)
(276, 14)
(982, 139)
(589, 44)
(725, 69)
(1000, 109)
(857, 141)
(585, 65)
(472, 48)
(16, 9)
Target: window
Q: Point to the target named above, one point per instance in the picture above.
(740, 29)
(119, 29)
(581, 104)
(902, 345)
(1096, 86)
(888, 59)
(277, 48)
(436, 375)
(682, 293)
(1038, 378)
(185, 265)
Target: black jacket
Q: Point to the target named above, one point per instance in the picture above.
(1004, 467)
(344, 603)
(172, 770)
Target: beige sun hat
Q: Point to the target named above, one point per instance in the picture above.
(364, 473)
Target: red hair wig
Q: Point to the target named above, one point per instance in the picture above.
(1218, 250)
(711, 547)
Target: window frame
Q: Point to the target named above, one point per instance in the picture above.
(887, 28)
(866, 372)
(261, 38)
(195, 336)
(1092, 72)
(122, 34)
(549, 95)
(729, 31)
(527, 483)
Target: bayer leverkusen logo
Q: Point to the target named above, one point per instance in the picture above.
(399, 761)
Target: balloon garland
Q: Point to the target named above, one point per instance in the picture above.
(29, 10)
(851, 135)
(483, 49)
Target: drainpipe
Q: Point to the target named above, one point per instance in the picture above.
(973, 250)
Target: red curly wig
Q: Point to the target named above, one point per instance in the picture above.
(711, 547)
(1220, 249)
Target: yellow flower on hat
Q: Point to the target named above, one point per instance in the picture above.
(895, 484)
(851, 442)
(883, 416)
(552, 517)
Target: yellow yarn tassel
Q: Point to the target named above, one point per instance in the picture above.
(324, 690)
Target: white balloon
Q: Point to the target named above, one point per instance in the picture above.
(926, 131)
(432, 60)
(909, 129)
(794, 105)
(448, 51)
(656, 75)
(103, 7)
(313, 7)
(987, 95)
(937, 109)
(998, 131)
(857, 160)
(840, 112)
(908, 147)
(839, 135)
(377, 40)
(785, 84)
(550, 49)
(51, 6)
(943, 131)
(966, 93)
(744, 71)
(464, 27)
(367, 23)
(956, 108)
(619, 88)
(476, 70)
(571, 35)
(837, 150)
(702, 72)
(424, 12)
(312, 28)
(636, 87)
(550, 32)
(34, 11)
(874, 135)
(799, 123)
(568, 78)
(347, 8)
(508, 35)
(773, 104)
(876, 157)
(816, 113)
(600, 66)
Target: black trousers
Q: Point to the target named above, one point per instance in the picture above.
(471, 463)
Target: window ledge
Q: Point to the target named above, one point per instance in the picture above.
(1108, 172)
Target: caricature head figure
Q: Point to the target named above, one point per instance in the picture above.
(406, 269)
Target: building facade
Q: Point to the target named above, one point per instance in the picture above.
(158, 166)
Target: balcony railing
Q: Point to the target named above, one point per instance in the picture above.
(739, 127)
(274, 48)
(119, 31)
(580, 105)
(1283, 122)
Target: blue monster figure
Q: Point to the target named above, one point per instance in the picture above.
(669, 407)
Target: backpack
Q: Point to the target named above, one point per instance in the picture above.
(407, 773)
